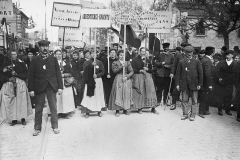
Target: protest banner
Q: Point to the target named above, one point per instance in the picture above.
(163, 22)
(73, 37)
(6, 9)
(66, 15)
(97, 18)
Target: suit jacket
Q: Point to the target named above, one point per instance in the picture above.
(164, 70)
(189, 74)
(207, 67)
(39, 78)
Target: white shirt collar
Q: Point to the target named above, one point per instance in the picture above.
(229, 62)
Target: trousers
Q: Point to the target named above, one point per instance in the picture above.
(40, 100)
(185, 100)
(163, 84)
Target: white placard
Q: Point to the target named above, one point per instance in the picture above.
(163, 23)
(147, 19)
(73, 37)
(6, 9)
(66, 15)
(97, 18)
(125, 16)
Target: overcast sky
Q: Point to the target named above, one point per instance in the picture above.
(36, 9)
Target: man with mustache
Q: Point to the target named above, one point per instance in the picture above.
(45, 79)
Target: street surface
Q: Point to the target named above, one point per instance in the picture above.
(134, 137)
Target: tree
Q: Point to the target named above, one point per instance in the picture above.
(222, 16)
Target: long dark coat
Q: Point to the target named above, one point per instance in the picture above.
(39, 78)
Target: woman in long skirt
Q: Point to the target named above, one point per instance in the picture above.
(65, 101)
(93, 97)
(15, 103)
(121, 94)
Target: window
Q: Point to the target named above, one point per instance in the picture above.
(200, 29)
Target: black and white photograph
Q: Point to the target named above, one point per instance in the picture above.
(119, 80)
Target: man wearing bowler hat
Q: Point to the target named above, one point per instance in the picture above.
(45, 79)
(189, 79)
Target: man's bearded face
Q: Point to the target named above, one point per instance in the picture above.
(44, 49)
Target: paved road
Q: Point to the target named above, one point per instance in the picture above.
(140, 137)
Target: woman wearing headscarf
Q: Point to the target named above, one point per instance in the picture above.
(121, 94)
(93, 99)
(15, 103)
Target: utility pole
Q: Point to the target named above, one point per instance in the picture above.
(45, 22)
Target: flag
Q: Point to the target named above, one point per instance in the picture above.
(131, 37)
(154, 43)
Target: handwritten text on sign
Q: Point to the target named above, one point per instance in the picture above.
(66, 15)
(124, 16)
(6, 9)
(98, 18)
(73, 37)
(162, 23)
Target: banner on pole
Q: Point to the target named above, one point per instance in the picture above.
(163, 22)
(6, 9)
(125, 16)
(97, 18)
(66, 15)
(73, 37)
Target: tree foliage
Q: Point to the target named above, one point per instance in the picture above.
(222, 16)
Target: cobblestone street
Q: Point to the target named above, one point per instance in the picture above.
(145, 136)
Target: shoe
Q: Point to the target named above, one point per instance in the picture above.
(192, 118)
(125, 112)
(238, 119)
(56, 130)
(13, 123)
(86, 115)
(154, 111)
(36, 132)
(207, 113)
(220, 113)
(23, 122)
(229, 113)
(117, 114)
(104, 109)
(140, 111)
(201, 115)
(100, 114)
(173, 106)
(184, 117)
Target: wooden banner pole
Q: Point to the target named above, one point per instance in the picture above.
(95, 49)
(108, 42)
(124, 49)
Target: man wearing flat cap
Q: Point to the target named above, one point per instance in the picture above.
(163, 64)
(45, 79)
(180, 56)
(189, 79)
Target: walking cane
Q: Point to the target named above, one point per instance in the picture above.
(168, 96)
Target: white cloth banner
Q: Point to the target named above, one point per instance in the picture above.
(66, 15)
(163, 22)
(97, 18)
(6, 9)
(73, 37)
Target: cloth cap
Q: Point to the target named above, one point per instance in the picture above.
(43, 43)
(165, 45)
(228, 52)
(184, 44)
(189, 49)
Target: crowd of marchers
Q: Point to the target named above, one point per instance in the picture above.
(94, 82)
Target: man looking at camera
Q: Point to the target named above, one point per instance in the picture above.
(45, 79)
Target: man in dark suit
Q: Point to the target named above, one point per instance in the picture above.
(189, 79)
(130, 54)
(163, 65)
(178, 57)
(207, 82)
(45, 79)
